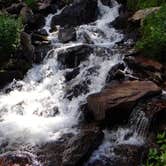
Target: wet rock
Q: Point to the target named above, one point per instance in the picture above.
(37, 22)
(38, 37)
(115, 74)
(144, 68)
(121, 22)
(130, 154)
(107, 2)
(42, 32)
(115, 102)
(144, 63)
(8, 76)
(15, 159)
(27, 47)
(80, 12)
(67, 34)
(17, 64)
(45, 7)
(26, 14)
(69, 75)
(79, 148)
(155, 111)
(71, 149)
(41, 52)
(81, 88)
(72, 56)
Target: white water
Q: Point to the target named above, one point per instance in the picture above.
(133, 134)
(27, 113)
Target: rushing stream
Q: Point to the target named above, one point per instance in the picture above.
(37, 109)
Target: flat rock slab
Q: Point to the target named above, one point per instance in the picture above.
(120, 98)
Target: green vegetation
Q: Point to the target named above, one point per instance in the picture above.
(141, 4)
(153, 40)
(10, 29)
(31, 3)
(157, 157)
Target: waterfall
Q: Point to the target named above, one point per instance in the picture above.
(36, 110)
(133, 134)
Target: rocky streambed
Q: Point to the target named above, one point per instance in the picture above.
(91, 100)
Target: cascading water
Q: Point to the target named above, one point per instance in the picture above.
(133, 134)
(36, 109)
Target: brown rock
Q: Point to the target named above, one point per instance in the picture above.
(15, 160)
(79, 148)
(130, 154)
(119, 99)
(144, 68)
(140, 15)
(142, 62)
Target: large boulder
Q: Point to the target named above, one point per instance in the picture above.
(67, 34)
(72, 56)
(80, 12)
(116, 102)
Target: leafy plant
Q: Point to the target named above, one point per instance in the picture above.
(153, 40)
(157, 157)
(10, 29)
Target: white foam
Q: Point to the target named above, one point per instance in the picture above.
(27, 114)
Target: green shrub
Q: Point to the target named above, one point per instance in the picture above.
(10, 29)
(141, 4)
(157, 157)
(153, 40)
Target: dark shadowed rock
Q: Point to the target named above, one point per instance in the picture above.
(45, 7)
(113, 73)
(71, 149)
(144, 68)
(27, 47)
(15, 8)
(72, 56)
(69, 75)
(79, 148)
(80, 12)
(107, 2)
(67, 34)
(40, 52)
(118, 100)
(37, 22)
(130, 155)
(11, 159)
(26, 14)
(8, 76)
(144, 63)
